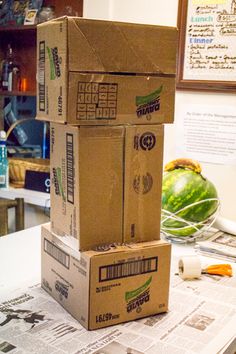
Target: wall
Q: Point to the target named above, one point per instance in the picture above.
(34, 215)
(165, 13)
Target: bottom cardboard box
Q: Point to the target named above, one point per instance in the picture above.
(109, 286)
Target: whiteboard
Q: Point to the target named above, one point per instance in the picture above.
(209, 45)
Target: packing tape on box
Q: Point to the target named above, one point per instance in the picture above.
(189, 267)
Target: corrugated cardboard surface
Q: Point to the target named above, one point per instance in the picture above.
(51, 70)
(109, 46)
(91, 165)
(121, 47)
(62, 272)
(115, 99)
(109, 287)
(143, 182)
(104, 49)
(106, 183)
(100, 182)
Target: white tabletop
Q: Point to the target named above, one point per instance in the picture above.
(20, 268)
(20, 263)
(30, 197)
(20, 259)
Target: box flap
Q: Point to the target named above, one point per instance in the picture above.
(101, 132)
(103, 249)
(106, 249)
(109, 46)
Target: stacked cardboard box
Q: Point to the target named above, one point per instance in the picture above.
(107, 88)
(114, 285)
(105, 73)
(106, 183)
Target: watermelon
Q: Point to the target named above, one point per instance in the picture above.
(187, 194)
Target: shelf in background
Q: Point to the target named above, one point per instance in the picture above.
(30, 197)
(12, 28)
(17, 93)
(23, 42)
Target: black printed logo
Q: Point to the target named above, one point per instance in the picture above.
(102, 248)
(143, 184)
(62, 289)
(47, 285)
(146, 141)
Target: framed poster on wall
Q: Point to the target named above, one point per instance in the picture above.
(207, 45)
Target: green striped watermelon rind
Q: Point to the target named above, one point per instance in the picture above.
(184, 210)
(188, 228)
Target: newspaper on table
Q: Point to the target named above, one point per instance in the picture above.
(219, 245)
(201, 319)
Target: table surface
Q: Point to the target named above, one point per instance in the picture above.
(30, 197)
(20, 260)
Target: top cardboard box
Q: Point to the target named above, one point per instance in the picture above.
(93, 72)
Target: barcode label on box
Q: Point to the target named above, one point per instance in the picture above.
(41, 76)
(128, 269)
(70, 168)
(55, 252)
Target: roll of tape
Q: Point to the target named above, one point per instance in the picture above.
(189, 267)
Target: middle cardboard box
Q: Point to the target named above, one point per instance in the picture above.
(106, 183)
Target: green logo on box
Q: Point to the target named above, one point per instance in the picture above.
(148, 104)
(136, 298)
(57, 181)
(55, 62)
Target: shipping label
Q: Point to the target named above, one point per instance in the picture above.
(70, 169)
(41, 76)
(128, 269)
(57, 253)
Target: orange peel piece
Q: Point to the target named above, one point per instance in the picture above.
(219, 269)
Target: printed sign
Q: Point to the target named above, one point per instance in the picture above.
(209, 43)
